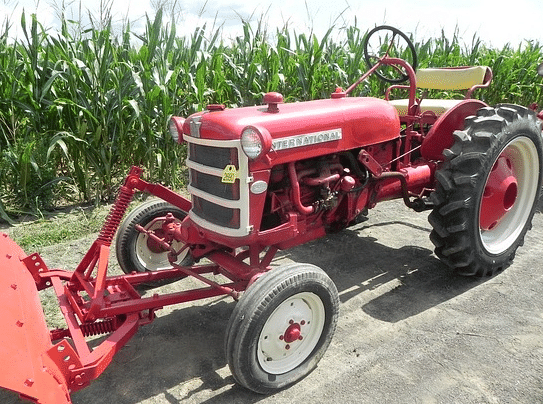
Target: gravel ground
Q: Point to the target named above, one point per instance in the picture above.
(410, 331)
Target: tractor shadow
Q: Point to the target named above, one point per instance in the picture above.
(391, 284)
(182, 349)
(382, 269)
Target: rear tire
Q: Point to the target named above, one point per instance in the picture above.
(281, 327)
(487, 190)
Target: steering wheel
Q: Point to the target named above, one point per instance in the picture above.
(388, 41)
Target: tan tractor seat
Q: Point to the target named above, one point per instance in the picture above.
(444, 79)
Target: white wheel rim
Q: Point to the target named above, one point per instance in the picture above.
(153, 261)
(523, 155)
(291, 333)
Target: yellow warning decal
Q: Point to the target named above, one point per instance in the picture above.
(229, 174)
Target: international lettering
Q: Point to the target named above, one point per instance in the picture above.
(306, 139)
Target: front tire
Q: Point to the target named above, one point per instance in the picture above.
(487, 190)
(135, 252)
(281, 327)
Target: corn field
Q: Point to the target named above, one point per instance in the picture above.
(77, 110)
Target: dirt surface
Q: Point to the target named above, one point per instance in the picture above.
(410, 331)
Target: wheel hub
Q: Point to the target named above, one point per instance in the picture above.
(154, 246)
(293, 333)
(165, 233)
(152, 254)
(514, 182)
(499, 195)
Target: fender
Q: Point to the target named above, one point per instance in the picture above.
(440, 136)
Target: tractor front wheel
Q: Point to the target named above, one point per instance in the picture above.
(281, 327)
(136, 251)
(487, 190)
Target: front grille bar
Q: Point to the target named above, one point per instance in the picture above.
(239, 207)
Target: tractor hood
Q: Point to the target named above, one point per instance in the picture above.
(312, 128)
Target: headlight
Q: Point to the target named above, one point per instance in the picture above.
(255, 142)
(176, 128)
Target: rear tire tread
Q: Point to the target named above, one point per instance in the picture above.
(460, 180)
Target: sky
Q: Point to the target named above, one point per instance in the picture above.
(495, 23)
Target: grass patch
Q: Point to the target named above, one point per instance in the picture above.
(59, 228)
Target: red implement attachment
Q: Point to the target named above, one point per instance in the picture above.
(25, 343)
(47, 365)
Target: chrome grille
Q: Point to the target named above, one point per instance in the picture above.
(214, 186)
(210, 156)
(216, 205)
(219, 215)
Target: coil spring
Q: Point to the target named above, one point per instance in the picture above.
(97, 328)
(115, 215)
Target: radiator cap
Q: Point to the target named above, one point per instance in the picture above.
(215, 107)
(272, 99)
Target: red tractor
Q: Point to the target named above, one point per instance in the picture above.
(267, 178)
